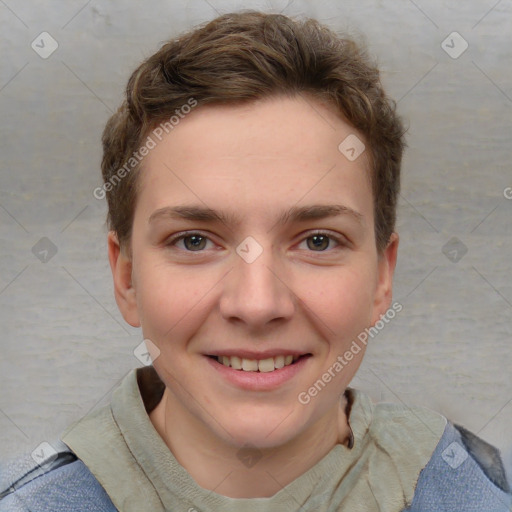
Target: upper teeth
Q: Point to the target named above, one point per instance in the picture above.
(253, 365)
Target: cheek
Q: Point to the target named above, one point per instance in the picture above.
(341, 299)
(173, 302)
(167, 301)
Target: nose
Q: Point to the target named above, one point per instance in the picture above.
(257, 292)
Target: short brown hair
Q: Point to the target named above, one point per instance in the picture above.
(246, 56)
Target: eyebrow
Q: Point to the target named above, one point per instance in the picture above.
(294, 214)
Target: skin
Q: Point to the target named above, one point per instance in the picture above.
(253, 161)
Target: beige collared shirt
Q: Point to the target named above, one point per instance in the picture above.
(391, 445)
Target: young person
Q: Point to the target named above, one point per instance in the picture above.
(252, 176)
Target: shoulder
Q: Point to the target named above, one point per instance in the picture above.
(454, 469)
(57, 483)
(464, 473)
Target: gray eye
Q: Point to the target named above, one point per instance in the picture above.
(196, 242)
(319, 242)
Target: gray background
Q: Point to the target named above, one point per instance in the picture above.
(64, 345)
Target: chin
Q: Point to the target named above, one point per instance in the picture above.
(264, 433)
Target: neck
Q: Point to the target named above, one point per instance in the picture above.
(216, 466)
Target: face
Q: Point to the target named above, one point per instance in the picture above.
(253, 243)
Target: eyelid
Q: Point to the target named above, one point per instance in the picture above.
(173, 239)
(340, 239)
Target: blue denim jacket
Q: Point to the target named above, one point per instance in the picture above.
(464, 474)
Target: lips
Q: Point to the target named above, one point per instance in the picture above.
(256, 380)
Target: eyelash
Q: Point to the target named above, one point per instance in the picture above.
(176, 238)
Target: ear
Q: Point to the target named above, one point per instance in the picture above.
(386, 270)
(121, 266)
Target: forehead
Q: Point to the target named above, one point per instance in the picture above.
(277, 151)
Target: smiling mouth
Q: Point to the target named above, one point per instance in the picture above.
(258, 365)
